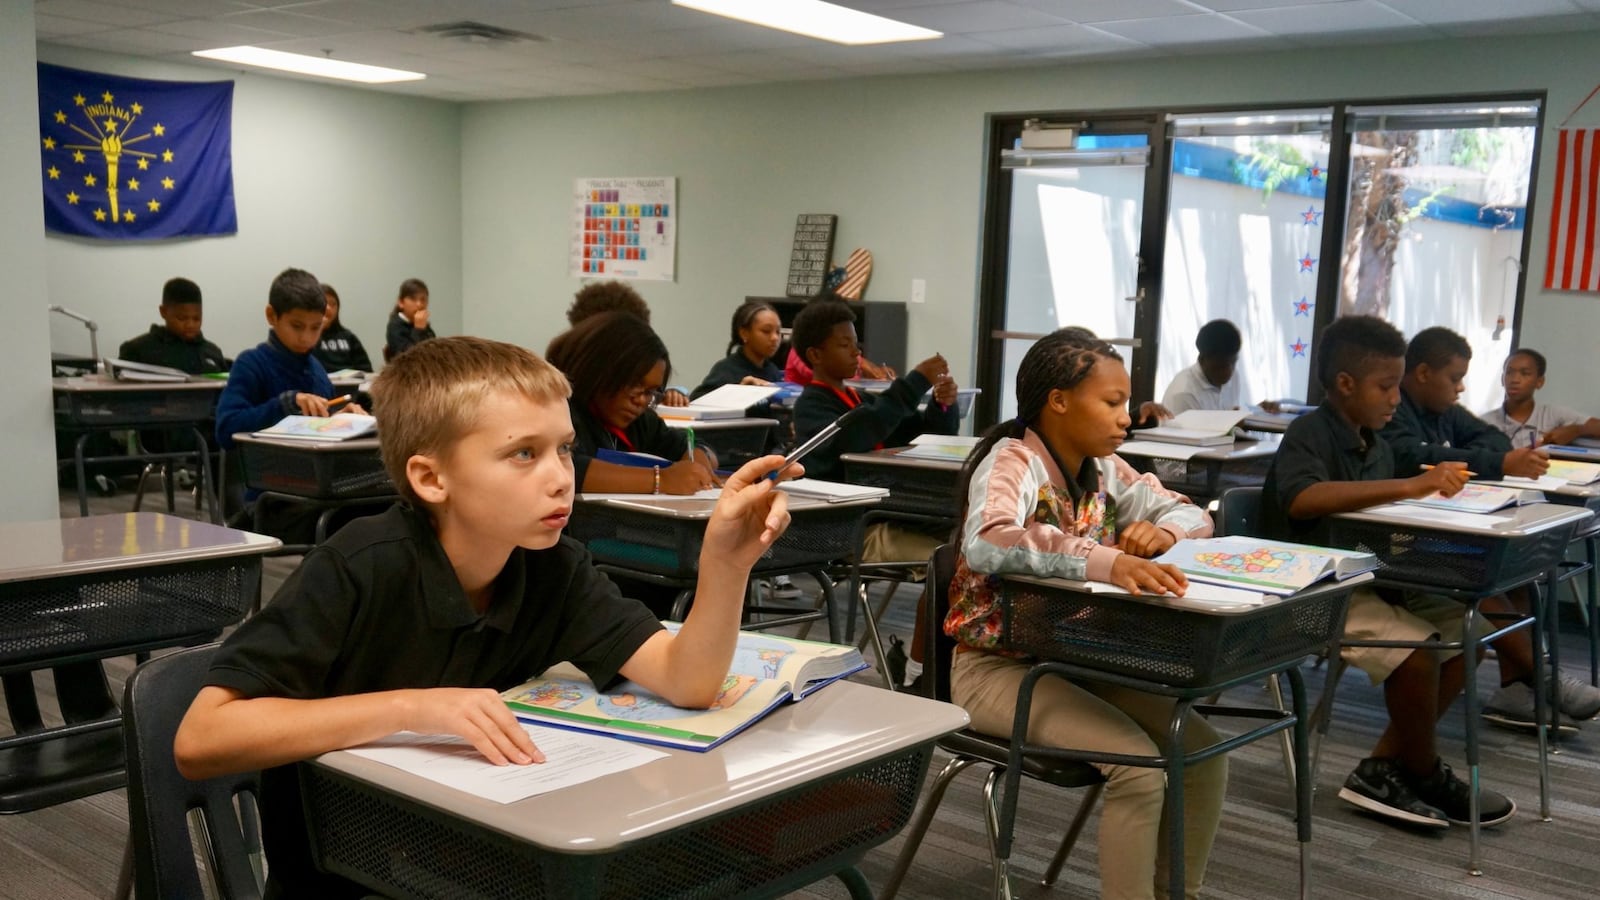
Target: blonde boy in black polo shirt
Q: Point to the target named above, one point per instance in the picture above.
(1333, 461)
(414, 620)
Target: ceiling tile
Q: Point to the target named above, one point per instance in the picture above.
(206, 33)
(290, 22)
(1172, 31)
(1583, 21)
(1231, 5)
(1352, 15)
(137, 41)
(188, 9)
(1439, 12)
(1089, 11)
(108, 14)
(606, 20)
(49, 27)
(1056, 38)
(969, 18)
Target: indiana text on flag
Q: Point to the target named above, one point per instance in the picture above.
(131, 158)
(1574, 242)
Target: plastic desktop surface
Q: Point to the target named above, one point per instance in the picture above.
(115, 543)
(840, 727)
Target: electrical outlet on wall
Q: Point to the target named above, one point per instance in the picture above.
(919, 290)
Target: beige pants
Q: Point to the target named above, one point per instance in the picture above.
(1419, 617)
(1089, 716)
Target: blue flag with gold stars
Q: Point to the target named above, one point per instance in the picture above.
(135, 159)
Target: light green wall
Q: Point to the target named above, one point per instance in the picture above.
(900, 160)
(28, 487)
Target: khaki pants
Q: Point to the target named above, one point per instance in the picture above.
(1419, 617)
(1089, 716)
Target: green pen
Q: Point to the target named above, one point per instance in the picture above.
(690, 430)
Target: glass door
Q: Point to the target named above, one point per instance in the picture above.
(1069, 252)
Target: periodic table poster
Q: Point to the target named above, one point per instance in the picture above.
(624, 228)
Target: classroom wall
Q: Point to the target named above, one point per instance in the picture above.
(900, 160)
(361, 188)
(28, 488)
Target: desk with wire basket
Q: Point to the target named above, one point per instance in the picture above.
(801, 796)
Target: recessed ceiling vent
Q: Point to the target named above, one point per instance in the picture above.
(478, 33)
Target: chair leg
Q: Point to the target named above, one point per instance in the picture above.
(138, 491)
(876, 639)
(124, 889)
(919, 827)
(1091, 796)
(1285, 739)
(883, 607)
(1322, 716)
(169, 477)
(991, 817)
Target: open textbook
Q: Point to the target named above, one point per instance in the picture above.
(342, 427)
(727, 402)
(1199, 427)
(1278, 567)
(766, 671)
(1476, 497)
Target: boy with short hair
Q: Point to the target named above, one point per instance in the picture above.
(415, 619)
(177, 342)
(1331, 461)
(825, 339)
(1529, 424)
(280, 377)
(1210, 382)
(1430, 427)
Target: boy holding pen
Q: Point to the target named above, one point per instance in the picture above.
(415, 619)
(1430, 428)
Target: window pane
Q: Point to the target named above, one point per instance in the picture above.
(1434, 235)
(1244, 234)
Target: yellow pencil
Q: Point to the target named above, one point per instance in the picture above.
(1470, 474)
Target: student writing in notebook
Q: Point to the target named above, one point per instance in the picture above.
(1045, 494)
(1430, 427)
(1334, 460)
(416, 619)
(618, 368)
(408, 323)
(1530, 424)
(754, 342)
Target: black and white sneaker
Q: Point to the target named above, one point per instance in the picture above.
(1450, 795)
(1379, 786)
(784, 589)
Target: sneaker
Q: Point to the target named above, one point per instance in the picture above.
(1450, 795)
(784, 589)
(1512, 707)
(1579, 698)
(1378, 786)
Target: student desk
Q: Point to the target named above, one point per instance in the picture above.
(657, 537)
(921, 492)
(325, 476)
(800, 796)
(1588, 497)
(92, 403)
(734, 441)
(1470, 562)
(1206, 474)
(1584, 450)
(877, 386)
(76, 591)
(1176, 648)
(1268, 423)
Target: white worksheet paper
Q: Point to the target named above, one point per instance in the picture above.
(1158, 450)
(571, 758)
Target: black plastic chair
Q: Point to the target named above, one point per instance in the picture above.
(159, 798)
(968, 747)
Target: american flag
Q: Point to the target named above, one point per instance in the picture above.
(1571, 263)
(857, 269)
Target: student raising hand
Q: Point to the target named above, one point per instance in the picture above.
(751, 514)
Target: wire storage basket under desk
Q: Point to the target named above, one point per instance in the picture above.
(774, 844)
(322, 474)
(133, 408)
(1452, 559)
(1179, 647)
(646, 541)
(919, 490)
(86, 615)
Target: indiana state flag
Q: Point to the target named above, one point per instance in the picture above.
(134, 159)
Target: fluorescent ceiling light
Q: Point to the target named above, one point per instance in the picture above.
(309, 65)
(814, 18)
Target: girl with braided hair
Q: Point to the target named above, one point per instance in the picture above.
(1045, 494)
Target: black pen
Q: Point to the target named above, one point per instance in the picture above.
(816, 440)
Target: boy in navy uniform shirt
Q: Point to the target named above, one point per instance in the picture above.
(415, 619)
(177, 342)
(1332, 461)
